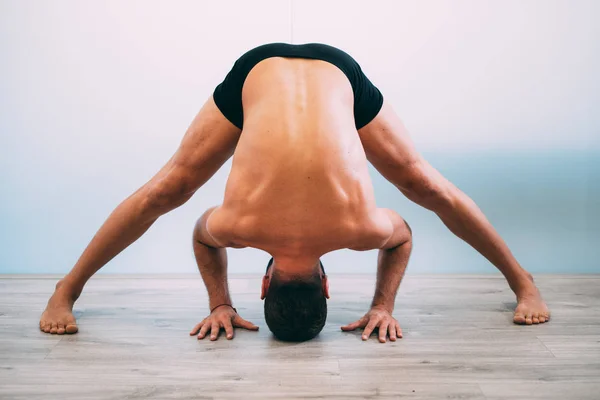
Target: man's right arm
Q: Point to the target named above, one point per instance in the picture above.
(392, 261)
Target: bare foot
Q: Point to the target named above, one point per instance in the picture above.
(531, 309)
(58, 317)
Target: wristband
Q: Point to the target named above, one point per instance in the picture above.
(224, 304)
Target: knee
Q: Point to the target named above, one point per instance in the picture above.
(167, 193)
(426, 187)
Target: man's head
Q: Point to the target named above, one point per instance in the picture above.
(295, 305)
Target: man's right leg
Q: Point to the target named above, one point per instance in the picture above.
(390, 149)
(208, 143)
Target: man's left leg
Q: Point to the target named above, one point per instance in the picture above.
(209, 141)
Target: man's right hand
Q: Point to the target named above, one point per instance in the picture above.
(377, 317)
(222, 317)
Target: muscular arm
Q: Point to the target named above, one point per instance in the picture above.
(391, 263)
(211, 258)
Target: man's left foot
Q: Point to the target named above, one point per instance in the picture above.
(531, 309)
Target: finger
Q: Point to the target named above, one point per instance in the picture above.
(356, 324)
(204, 330)
(369, 328)
(214, 331)
(392, 332)
(383, 328)
(398, 331)
(228, 329)
(242, 323)
(196, 328)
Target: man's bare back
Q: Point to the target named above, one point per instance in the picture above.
(298, 188)
(299, 180)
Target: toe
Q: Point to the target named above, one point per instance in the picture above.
(528, 319)
(54, 328)
(535, 317)
(47, 328)
(71, 328)
(519, 319)
(547, 316)
(61, 329)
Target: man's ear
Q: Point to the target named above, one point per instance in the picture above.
(264, 287)
(325, 283)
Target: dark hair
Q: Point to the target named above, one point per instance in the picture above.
(295, 310)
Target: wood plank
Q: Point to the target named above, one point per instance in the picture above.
(459, 343)
(542, 390)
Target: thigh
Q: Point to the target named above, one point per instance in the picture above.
(388, 145)
(390, 149)
(208, 142)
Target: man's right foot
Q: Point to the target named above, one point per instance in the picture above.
(531, 309)
(58, 317)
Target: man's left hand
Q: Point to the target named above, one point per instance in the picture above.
(223, 317)
(377, 317)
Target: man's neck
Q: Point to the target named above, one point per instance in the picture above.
(287, 267)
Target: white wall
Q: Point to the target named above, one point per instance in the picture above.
(486, 71)
(95, 96)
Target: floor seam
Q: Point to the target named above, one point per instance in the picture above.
(63, 337)
(481, 390)
(547, 348)
(53, 347)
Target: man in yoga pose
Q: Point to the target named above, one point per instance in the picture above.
(301, 122)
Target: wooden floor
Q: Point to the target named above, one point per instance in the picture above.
(459, 342)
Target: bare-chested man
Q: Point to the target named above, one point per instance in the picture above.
(301, 121)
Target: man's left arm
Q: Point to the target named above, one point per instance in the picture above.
(211, 258)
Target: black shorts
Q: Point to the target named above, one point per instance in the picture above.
(228, 95)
